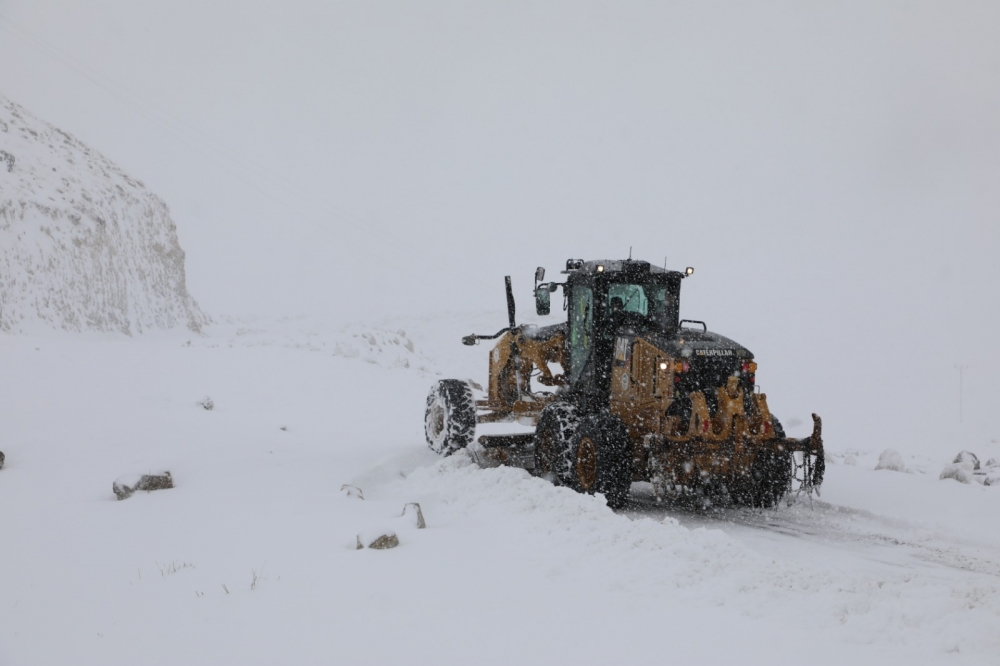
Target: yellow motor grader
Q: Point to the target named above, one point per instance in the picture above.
(641, 395)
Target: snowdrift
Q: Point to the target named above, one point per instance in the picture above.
(83, 246)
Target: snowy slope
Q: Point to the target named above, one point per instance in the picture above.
(83, 246)
(251, 558)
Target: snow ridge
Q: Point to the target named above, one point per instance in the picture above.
(83, 246)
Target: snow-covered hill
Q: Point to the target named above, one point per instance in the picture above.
(83, 246)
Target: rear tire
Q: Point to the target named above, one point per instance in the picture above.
(450, 418)
(601, 460)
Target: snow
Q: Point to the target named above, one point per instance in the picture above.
(252, 556)
(960, 471)
(83, 245)
(891, 460)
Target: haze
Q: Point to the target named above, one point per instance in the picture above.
(829, 169)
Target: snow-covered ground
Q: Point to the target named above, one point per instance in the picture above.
(251, 558)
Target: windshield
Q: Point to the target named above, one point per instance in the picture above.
(652, 302)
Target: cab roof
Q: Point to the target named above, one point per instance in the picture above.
(629, 266)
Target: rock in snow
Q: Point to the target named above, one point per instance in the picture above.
(126, 487)
(1, 459)
(83, 246)
(383, 541)
(417, 512)
(969, 457)
(891, 460)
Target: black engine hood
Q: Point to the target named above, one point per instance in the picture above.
(689, 343)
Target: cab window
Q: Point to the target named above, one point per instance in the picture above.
(581, 324)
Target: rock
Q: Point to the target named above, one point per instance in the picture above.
(1, 459)
(960, 471)
(207, 404)
(385, 540)
(420, 514)
(124, 489)
(967, 456)
(992, 462)
(850, 460)
(352, 491)
(891, 460)
(992, 478)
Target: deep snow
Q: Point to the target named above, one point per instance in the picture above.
(251, 558)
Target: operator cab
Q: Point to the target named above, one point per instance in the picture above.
(608, 298)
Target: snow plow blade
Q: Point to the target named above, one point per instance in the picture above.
(516, 450)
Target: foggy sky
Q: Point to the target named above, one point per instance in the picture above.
(829, 169)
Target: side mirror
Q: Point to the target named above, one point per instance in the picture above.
(543, 302)
(539, 274)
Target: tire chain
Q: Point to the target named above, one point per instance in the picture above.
(460, 415)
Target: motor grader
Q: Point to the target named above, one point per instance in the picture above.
(641, 395)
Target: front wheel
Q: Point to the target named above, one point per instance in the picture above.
(450, 418)
(554, 437)
(601, 460)
(769, 477)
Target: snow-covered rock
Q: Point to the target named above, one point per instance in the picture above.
(992, 462)
(891, 460)
(960, 471)
(83, 246)
(969, 457)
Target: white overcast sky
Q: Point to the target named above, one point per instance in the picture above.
(830, 168)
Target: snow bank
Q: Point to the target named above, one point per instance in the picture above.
(386, 346)
(960, 471)
(83, 246)
(891, 460)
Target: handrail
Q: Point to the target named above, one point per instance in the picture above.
(695, 321)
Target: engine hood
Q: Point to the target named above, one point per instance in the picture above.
(688, 343)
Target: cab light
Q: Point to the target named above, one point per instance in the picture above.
(663, 366)
(600, 268)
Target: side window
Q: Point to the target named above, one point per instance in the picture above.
(581, 324)
(664, 307)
